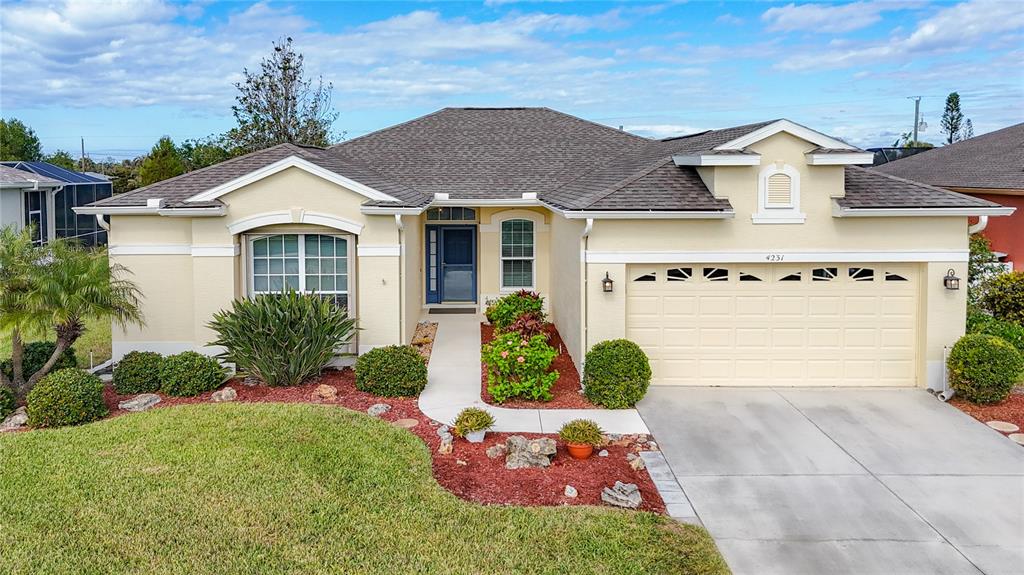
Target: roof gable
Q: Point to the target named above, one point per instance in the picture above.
(803, 132)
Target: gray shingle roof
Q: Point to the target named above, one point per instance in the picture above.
(867, 188)
(990, 161)
(15, 178)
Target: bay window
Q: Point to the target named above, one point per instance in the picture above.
(307, 263)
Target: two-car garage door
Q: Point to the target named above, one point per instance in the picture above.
(823, 324)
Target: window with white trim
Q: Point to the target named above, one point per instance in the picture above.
(778, 195)
(307, 263)
(517, 254)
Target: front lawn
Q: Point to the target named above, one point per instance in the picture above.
(275, 488)
(96, 339)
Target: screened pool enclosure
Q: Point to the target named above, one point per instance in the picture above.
(56, 219)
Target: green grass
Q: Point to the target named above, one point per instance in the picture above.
(288, 488)
(96, 339)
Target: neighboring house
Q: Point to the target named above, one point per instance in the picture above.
(753, 255)
(991, 167)
(56, 213)
(23, 200)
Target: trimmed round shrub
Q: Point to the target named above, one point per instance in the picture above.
(1012, 332)
(505, 310)
(7, 403)
(983, 368)
(189, 373)
(1004, 296)
(66, 397)
(35, 356)
(138, 372)
(616, 374)
(392, 371)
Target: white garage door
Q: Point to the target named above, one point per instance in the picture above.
(804, 324)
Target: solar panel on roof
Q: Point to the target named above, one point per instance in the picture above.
(56, 172)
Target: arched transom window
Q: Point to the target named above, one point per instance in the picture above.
(517, 254)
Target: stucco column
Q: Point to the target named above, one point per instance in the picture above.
(606, 312)
(944, 318)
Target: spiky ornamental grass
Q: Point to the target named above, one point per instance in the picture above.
(282, 338)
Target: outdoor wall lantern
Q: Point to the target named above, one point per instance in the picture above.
(951, 281)
(607, 283)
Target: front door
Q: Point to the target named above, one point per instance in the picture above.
(451, 264)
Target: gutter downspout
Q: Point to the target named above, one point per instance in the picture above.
(401, 281)
(978, 227)
(102, 222)
(585, 320)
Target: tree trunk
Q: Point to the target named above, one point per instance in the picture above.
(17, 354)
(67, 334)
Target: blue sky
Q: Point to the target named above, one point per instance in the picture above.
(121, 74)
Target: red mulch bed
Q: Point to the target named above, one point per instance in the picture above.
(566, 390)
(1011, 410)
(467, 472)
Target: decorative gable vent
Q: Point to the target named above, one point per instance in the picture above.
(780, 191)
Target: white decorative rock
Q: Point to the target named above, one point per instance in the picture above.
(140, 402)
(570, 491)
(1004, 426)
(378, 409)
(622, 495)
(226, 394)
(16, 420)
(602, 453)
(1017, 437)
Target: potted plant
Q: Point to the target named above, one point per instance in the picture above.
(580, 437)
(472, 424)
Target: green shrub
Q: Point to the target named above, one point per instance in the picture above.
(7, 403)
(1004, 296)
(1010, 331)
(616, 374)
(35, 356)
(138, 372)
(66, 397)
(189, 373)
(282, 338)
(392, 371)
(983, 368)
(472, 419)
(581, 432)
(518, 367)
(503, 311)
(528, 325)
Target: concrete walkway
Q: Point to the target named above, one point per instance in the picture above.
(837, 481)
(454, 384)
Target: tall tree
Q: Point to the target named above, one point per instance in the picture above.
(63, 159)
(200, 153)
(278, 104)
(953, 120)
(18, 142)
(968, 129)
(162, 162)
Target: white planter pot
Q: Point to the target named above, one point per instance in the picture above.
(476, 436)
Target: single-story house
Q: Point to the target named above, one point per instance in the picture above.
(23, 200)
(754, 255)
(990, 167)
(53, 212)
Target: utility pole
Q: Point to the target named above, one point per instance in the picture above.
(917, 115)
(81, 159)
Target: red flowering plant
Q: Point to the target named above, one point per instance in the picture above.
(518, 367)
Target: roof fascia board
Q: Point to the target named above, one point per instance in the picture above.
(386, 211)
(793, 128)
(648, 215)
(841, 212)
(284, 164)
(726, 256)
(149, 211)
(841, 159)
(717, 160)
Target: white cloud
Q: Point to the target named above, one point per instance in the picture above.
(957, 28)
(730, 19)
(825, 18)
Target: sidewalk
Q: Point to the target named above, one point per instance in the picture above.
(454, 384)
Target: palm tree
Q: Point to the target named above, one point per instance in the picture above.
(57, 287)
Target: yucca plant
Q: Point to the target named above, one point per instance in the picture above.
(282, 338)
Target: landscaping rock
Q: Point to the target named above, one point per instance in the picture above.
(1004, 426)
(653, 446)
(460, 462)
(16, 420)
(570, 491)
(1017, 438)
(378, 409)
(325, 392)
(406, 423)
(251, 381)
(622, 495)
(226, 394)
(447, 444)
(140, 402)
(525, 453)
(602, 453)
(496, 451)
(635, 462)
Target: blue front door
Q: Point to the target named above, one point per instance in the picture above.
(451, 264)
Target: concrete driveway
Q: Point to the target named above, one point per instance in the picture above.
(835, 481)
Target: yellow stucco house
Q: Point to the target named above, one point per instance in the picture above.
(754, 255)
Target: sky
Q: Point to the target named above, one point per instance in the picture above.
(122, 74)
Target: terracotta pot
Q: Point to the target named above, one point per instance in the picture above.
(579, 450)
